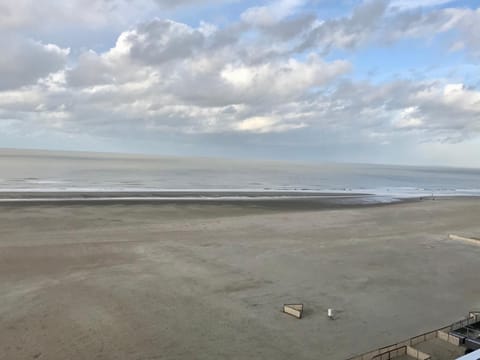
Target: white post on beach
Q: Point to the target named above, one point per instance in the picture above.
(330, 313)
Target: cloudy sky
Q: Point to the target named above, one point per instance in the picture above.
(321, 80)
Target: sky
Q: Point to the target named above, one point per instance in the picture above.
(370, 81)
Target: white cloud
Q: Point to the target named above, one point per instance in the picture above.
(163, 40)
(88, 14)
(284, 79)
(24, 61)
(272, 13)
(347, 32)
(434, 111)
(460, 23)
(50, 13)
(180, 3)
(266, 124)
(167, 77)
(372, 23)
(408, 118)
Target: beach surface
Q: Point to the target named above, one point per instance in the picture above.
(207, 280)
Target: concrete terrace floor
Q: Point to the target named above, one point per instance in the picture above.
(441, 350)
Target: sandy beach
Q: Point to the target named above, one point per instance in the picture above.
(208, 280)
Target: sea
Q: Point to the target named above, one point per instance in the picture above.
(55, 171)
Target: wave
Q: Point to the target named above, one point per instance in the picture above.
(402, 192)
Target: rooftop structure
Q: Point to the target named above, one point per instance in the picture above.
(447, 343)
(472, 356)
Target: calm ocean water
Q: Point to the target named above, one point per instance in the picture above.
(62, 171)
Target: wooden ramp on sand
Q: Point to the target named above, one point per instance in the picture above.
(472, 240)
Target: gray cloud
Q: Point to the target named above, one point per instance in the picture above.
(430, 111)
(460, 23)
(244, 80)
(88, 14)
(90, 70)
(180, 3)
(163, 40)
(374, 22)
(29, 14)
(347, 32)
(23, 62)
(291, 27)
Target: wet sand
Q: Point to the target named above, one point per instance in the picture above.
(208, 280)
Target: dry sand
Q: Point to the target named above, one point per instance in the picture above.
(200, 281)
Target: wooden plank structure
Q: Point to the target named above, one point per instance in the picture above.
(295, 310)
(473, 240)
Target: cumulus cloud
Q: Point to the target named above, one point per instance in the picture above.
(163, 40)
(236, 83)
(432, 111)
(452, 112)
(283, 80)
(200, 74)
(408, 118)
(265, 74)
(91, 69)
(204, 90)
(23, 61)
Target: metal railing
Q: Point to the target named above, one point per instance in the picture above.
(473, 317)
(403, 350)
(391, 354)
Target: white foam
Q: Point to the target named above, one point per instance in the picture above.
(389, 193)
(169, 198)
